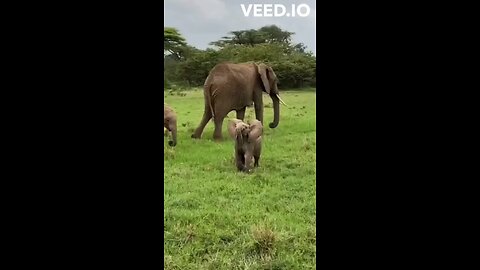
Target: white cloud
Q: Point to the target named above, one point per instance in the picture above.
(207, 9)
(204, 21)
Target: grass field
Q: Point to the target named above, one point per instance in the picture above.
(218, 218)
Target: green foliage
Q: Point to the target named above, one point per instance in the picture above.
(173, 41)
(267, 34)
(218, 218)
(273, 34)
(299, 70)
(271, 45)
(195, 69)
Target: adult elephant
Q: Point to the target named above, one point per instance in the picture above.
(231, 87)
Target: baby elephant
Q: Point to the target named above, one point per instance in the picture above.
(248, 143)
(170, 123)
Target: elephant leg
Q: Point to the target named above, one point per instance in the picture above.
(259, 110)
(256, 154)
(257, 159)
(248, 161)
(240, 161)
(218, 120)
(173, 129)
(207, 115)
(241, 113)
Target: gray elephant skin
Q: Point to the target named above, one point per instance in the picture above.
(248, 143)
(170, 123)
(231, 87)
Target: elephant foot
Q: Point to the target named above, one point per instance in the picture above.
(244, 169)
(218, 138)
(241, 168)
(248, 171)
(195, 136)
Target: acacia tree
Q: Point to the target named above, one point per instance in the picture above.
(273, 34)
(267, 34)
(173, 42)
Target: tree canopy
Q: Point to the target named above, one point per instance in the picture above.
(267, 34)
(187, 65)
(173, 42)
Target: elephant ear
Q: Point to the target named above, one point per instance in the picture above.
(232, 128)
(263, 70)
(256, 130)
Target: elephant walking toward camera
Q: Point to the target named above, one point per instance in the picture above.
(231, 87)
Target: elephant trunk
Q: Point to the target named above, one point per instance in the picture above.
(276, 112)
(173, 142)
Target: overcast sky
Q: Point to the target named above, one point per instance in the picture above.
(204, 21)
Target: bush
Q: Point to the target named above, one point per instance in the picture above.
(294, 69)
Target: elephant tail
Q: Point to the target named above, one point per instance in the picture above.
(208, 98)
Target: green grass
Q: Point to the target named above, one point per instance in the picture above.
(218, 218)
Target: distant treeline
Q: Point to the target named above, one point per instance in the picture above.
(189, 66)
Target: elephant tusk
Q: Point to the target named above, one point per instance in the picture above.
(279, 98)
